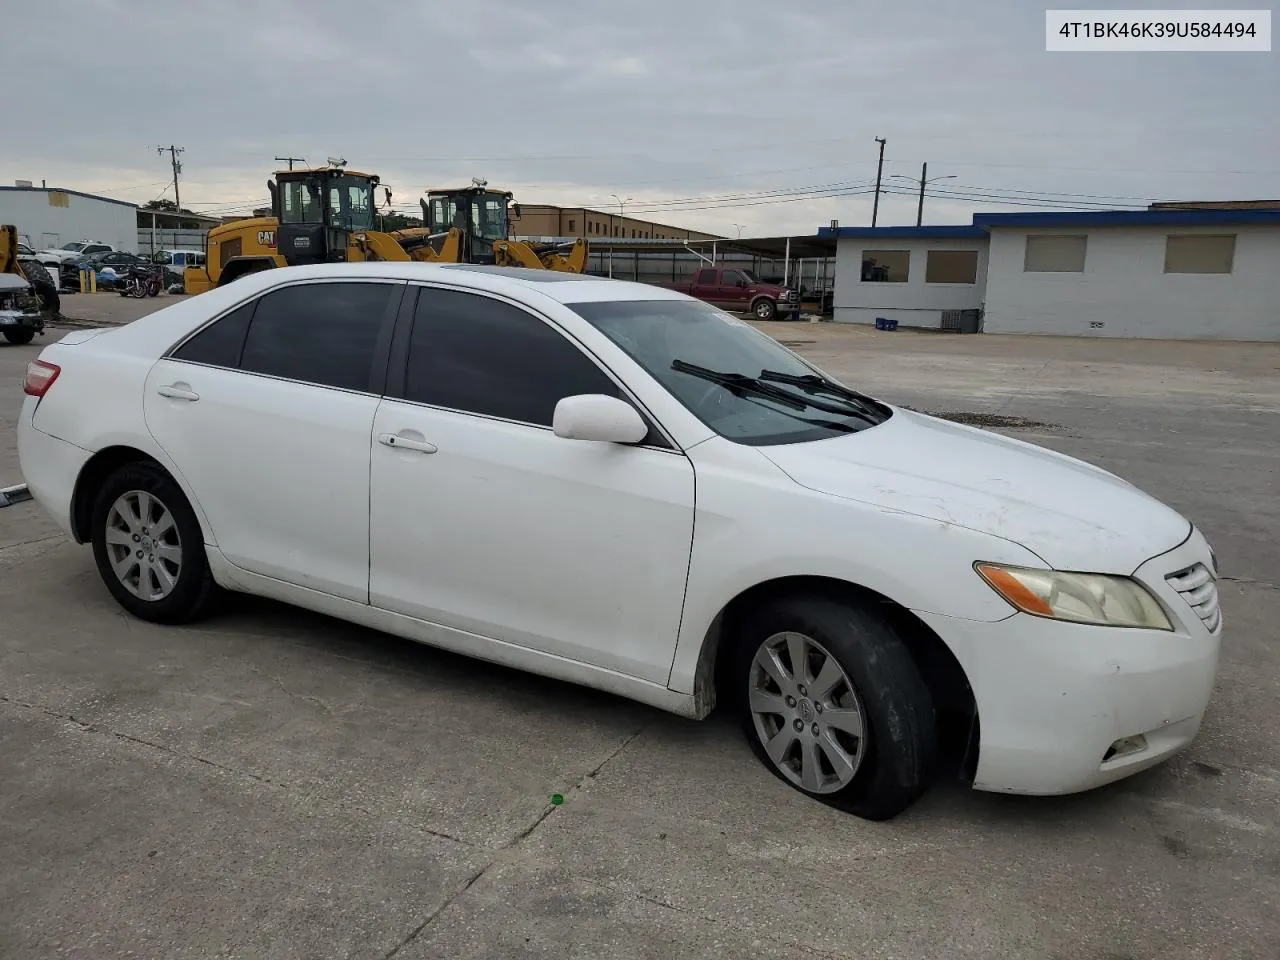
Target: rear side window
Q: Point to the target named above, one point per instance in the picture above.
(479, 355)
(322, 333)
(706, 277)
(219, 344)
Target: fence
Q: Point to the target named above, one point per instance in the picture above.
(810, 276)
(149, 241)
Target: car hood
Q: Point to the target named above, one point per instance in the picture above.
(1073, 515)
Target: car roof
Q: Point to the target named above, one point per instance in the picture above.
(514, 281)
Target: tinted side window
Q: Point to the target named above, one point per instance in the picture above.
(325, 333)
(471, 353)
(219, 343)
(706, 277)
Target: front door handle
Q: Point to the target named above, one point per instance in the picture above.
(177, 391)
(399, 441)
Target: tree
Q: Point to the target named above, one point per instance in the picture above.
(398, 221)
(163, 206)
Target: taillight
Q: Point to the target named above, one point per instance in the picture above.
(40, 377)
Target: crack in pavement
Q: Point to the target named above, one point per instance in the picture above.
(508, 850)
(89, 727)
(1251, 582)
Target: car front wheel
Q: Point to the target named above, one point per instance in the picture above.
(765, 309)
(149, 547)
(831, 702)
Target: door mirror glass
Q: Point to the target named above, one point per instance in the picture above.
(593, 416)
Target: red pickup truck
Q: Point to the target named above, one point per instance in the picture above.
(732, 288)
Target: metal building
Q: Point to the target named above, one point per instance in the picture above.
(50, 216)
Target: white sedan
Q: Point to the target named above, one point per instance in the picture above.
(623, 487)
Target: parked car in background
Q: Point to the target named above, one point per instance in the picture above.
(76, 250)
(116, 261)
(25, 252)
(732, 288)
(502, 462)
(175, 262)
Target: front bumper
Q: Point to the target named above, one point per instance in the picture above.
(1054, 698)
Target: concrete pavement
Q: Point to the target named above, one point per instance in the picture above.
(277, 784)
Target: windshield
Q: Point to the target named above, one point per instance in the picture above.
(75, 247)
(713, 363)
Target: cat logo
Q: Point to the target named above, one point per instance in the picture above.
(267, 238)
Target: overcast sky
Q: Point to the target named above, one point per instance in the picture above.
(654, 100)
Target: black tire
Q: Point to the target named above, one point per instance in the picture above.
(898, 746)
(44, 286)
(20, 335)
(194, 593)
(764, 309)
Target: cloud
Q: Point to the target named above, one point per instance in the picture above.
(705, 113)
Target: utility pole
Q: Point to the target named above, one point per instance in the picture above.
(292, 160)
(924, 178)
(177, 169)
(875, 207)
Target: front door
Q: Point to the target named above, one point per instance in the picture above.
(733, 290)
(483, 520)
(267, 414)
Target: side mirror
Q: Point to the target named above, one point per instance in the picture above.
(594, 416)
(515, 211)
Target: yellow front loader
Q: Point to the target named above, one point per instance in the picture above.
(327, 215)
(319, 215)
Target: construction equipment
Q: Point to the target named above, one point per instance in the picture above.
(327, 214)
(482, 214)
(28, 296)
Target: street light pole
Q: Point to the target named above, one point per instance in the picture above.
(622, 212)
(924, 179)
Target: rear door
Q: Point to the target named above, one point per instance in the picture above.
(706, 285)
(267, 413)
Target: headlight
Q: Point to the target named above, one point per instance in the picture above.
(1093, 598)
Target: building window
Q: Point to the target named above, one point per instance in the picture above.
(1199, 253)
(951, 266)
(886, 266)
(1054, 254)
(573, 224)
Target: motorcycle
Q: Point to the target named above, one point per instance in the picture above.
(140, 283)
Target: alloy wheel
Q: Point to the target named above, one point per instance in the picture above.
(143, 545)
(807, 713)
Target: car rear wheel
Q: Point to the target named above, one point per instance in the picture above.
(20, 335)
(831, 702)
(149, 547)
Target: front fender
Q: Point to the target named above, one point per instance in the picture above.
(755, 525)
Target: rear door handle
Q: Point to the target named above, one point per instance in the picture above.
(177, 391)
(400, 442)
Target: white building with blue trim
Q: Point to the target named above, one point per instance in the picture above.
(1165, 274)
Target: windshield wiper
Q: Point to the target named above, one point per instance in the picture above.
(758, 386)
(742, 382)
(747, 387)
(813, 382)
